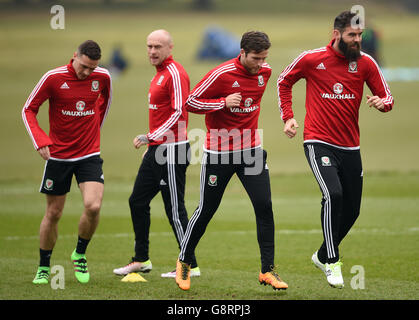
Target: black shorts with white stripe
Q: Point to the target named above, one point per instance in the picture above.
(58, 174)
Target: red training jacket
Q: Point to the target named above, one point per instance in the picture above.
(168, 119)
(334, 89)
(77, 110)
(230, 129)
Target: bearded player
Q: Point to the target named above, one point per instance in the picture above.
(335, 77)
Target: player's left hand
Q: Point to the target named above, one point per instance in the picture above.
(376, 102)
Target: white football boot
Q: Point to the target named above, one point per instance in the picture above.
(334, 274)
(332, 271)
(195, 272)
(134, 266)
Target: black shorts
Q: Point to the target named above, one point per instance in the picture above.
(58, 174)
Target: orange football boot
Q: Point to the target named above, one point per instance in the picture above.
(183, 278)
(272, 278)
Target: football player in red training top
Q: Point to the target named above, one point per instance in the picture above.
(79, 95)
(230, 97)
(335, 77)
(164, 164)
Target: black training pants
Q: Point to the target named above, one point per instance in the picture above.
(163, 169)
(340, 176)
(216, 172)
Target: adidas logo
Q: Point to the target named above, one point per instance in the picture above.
(235, 84)
(64, 86)
(321, 66)
(163, 183)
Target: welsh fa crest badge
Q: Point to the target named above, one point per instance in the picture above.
(49, 184)
(212, 180)
(95, 85)
(353, 67)
(326, 162)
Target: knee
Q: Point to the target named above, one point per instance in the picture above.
(53, 214)
(336, 196)
(264, 207)
(132, 201)
(138, 208)
(136, 203)
(92, 207)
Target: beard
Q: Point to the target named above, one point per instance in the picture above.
(350, 53)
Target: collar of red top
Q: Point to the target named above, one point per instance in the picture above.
(165, 63)
(239, 65)
(70, 68)
(333, 50)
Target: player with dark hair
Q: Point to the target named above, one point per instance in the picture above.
(79, 95)
(335, 77)
(90, 49)
(164, 164)
(230, 97)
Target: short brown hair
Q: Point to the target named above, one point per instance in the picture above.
(90, 49)
(256, 41)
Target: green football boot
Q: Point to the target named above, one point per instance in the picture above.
(80, 267)
(42, 275)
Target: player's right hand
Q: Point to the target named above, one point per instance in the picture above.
(290, 128)
(140, 140)
(44, 152)
(136, 142)
(233, 100)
